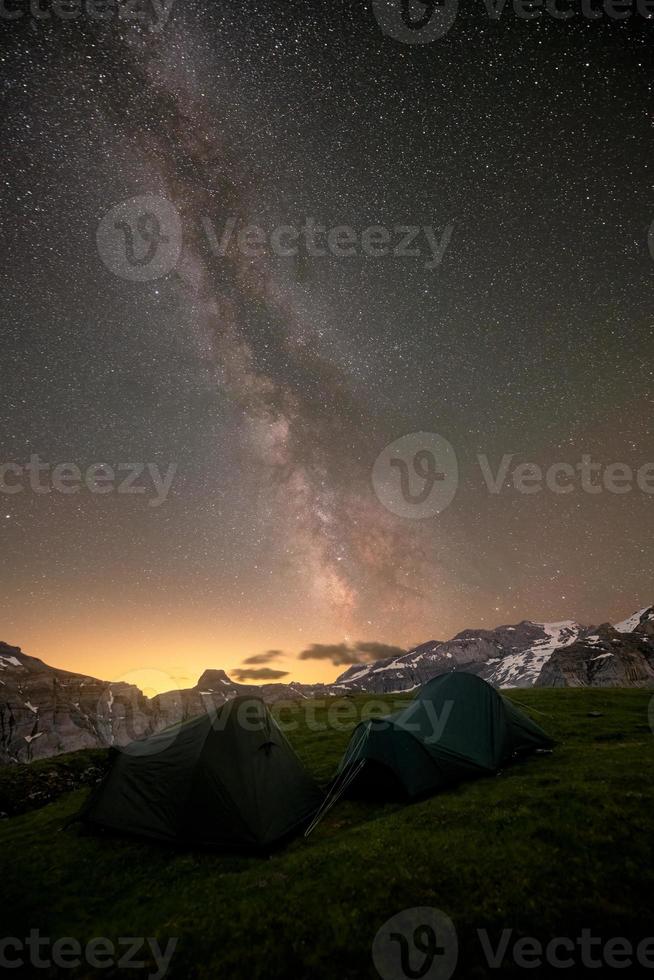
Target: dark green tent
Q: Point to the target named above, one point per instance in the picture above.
(456, 727)
(229, 779)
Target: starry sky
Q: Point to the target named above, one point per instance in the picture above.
(271, 382)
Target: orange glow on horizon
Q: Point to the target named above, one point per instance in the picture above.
(159, 657)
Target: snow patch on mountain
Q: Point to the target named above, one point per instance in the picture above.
(522, 669)
(645, 615)
(519, 655)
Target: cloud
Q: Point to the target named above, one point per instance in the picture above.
(258, 674)
(342, 653)
(379, 651)
(338, 653)
(264, 658)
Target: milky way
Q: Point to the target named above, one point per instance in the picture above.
(306, 431)
(273, 383)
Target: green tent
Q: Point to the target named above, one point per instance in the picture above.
(228, 779)
(456, 727)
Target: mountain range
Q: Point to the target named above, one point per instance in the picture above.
(45, 711)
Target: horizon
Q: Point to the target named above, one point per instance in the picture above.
(152, 678)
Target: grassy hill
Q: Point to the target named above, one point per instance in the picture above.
(553, 845)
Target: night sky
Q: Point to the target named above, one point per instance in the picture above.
(272, 383)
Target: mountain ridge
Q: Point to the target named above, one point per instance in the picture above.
(45, 710)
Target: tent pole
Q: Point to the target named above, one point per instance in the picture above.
(333, 798)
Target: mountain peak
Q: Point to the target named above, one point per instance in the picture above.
(10, 656)
(214, 680)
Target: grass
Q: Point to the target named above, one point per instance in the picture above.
(28, 787)
(550, 846)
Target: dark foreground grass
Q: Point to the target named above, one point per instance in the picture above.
(553, 845)
(28, 787)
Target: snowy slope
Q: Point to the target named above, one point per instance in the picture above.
(523, 668)
(521, 655)
(638, 619)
